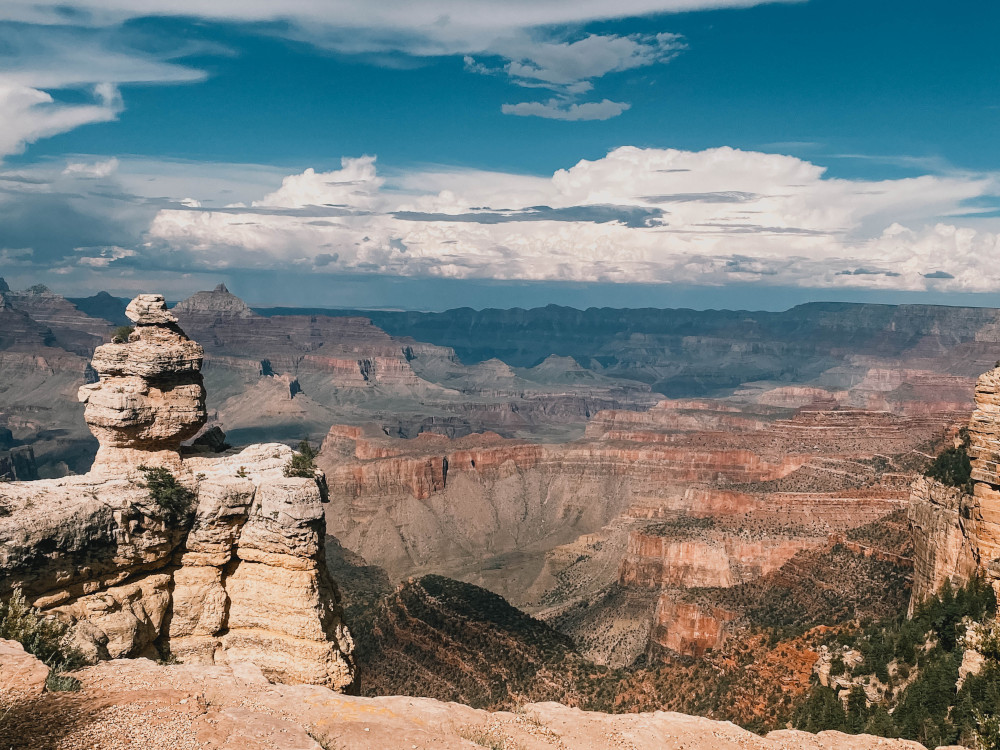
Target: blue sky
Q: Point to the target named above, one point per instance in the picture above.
(585, 152)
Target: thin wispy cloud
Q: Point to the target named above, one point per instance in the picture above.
(51, 45)
(566, 109)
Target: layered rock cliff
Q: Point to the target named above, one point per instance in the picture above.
(957, 534)
(226, 566)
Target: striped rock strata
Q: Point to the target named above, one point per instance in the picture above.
(957, 534)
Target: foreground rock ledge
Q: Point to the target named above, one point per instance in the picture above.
(137, 703)
(237, 574)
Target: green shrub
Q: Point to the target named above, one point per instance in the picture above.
(44, 637)
(837, 665)
(303, 463)
(929, 709)
(57, 682)
(953, 466)
(121, 334)
(166, 491)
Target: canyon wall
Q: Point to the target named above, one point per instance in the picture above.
(223, 563)
(942, 542)
(603, 535)
(957, 534)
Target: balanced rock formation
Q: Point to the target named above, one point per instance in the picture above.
(150, 396)
(226, 566)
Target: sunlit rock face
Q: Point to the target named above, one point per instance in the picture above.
(150, 396)
(233, 573)
(957, 534)
(942, 544)
(984, 515)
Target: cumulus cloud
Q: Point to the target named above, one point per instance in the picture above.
(710, 217)
(104, 168)
(636, 215)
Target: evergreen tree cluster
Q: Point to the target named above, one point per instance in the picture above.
(928, 709)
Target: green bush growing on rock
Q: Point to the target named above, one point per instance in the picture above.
(303, 463)
(166, 491)
(121, 334)
(43, 637)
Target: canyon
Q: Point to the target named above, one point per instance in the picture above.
(686, 495)
(644, 515)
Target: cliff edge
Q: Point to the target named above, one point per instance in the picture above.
(956, 534)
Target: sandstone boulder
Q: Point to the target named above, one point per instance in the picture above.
(21, 674)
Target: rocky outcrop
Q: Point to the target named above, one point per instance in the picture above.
(984, 449)
(231, 707)
(21, 674)
(689, 629)
(942, 543)
(227, 566)
(150, 395)
(955, 534)
(18, 464)
(676, 558)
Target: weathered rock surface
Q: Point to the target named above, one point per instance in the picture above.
(984, 516)
(150, 395)
(942, 543)
(955, 534)
(230, 569)
(233, 707)
(689, 629)
(21, 674)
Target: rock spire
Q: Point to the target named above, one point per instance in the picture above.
(150, 396)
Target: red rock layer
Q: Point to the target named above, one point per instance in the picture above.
(689, 629)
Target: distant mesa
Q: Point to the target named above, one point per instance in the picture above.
(219, 302)
(103, 305)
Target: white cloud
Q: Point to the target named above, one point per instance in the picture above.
(556, 109)
(51, 44)
(103, 168)
(27, 114)
(420, 27)
(355, 185)
(636, 215)
(35, 61)
(569, 69)
(567, 63)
